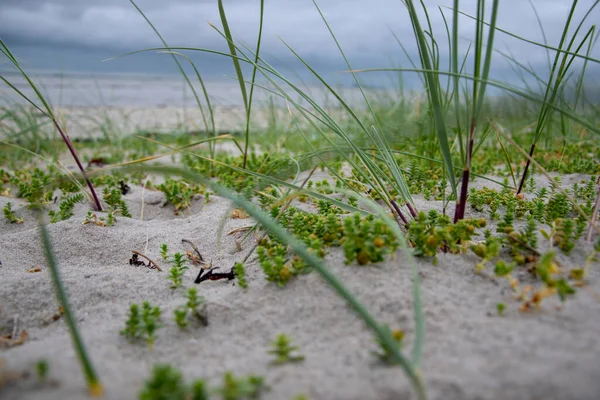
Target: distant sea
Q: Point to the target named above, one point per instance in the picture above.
(78, 89)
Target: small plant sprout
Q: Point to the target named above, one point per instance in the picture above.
(142, 325)
(116, 204)
(133, 323)
(245, 387)
(180, 315)
(283, 351)
(150, 318)
(191, 307)
(384, 354)
(240, 274)
(177, 270)
(164, 251)
(10, 216)
(166, 382)
(500, 307)
(41, 369)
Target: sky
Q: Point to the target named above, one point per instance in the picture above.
(76, 35)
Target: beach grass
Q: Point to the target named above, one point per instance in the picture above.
(381, 154)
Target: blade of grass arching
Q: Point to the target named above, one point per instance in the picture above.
(50, 114)
(561, 74)
(580, 81)
(254, 70)
(311, 259)
(179, 66)
(417, 302)
(555, 80)
(527, 68)
(269, 179)
(506, 157)
(543, 45)
(542, 30)
(266, 69)
(433, 90)
(211, 113)
(407, 55)
(232, 51)
(14, 89)
(95, 388)
(380, 142)
(374, 170)
(591, 37)
(379, 187)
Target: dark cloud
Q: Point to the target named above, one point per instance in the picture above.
(362, 27)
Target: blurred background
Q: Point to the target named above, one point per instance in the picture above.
(64, 44)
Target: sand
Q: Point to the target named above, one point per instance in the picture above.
(470, 351)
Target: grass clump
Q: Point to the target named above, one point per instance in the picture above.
(191, 307)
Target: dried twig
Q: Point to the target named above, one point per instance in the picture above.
(147, 258)
(195, 249)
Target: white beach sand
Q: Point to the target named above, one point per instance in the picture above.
(470, 351)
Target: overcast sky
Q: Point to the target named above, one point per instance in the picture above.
(78, 34)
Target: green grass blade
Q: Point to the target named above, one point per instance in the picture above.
(179, 66)
(543, 45)
(50, 114)
(212, 127)
(232, 50)
(433, 90)
(254, 70)
(94, 385)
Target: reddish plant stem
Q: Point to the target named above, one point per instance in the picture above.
(461, 205)
(74, 154)
(399, 212)
(412, 210)
(524, 176)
